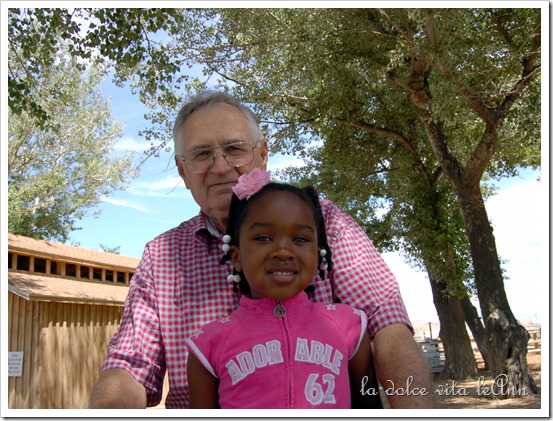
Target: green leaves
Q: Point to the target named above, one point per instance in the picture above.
(60, 169)
(367, 89)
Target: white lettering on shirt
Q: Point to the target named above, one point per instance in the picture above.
(260, 356)
(318, 353)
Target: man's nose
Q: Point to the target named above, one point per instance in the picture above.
(220, 164)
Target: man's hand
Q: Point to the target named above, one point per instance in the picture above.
(399, 364)
(117, 388)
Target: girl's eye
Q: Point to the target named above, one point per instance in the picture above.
(262, 238)
(302, 239)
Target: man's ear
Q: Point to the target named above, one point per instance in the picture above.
(264, 149)
(235, 258)
(180, 167)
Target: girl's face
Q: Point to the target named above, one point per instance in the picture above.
(278, 251)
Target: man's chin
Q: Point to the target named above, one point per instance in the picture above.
(219, 215)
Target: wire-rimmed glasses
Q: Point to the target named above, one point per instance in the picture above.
(236, 154)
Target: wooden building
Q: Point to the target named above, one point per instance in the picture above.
(64, 305)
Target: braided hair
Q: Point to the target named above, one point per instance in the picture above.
(239, 210)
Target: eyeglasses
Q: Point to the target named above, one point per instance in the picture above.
(236, 154)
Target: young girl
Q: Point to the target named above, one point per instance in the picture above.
(278, 349)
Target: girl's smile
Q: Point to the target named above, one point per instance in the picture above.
(283, 277)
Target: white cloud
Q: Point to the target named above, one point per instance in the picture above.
(159, 188)
(130, 144)
(278, 162)
(519, 215)
(414, 287)
(126, 204)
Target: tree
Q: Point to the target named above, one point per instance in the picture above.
(466, 75)
(114, 37)
(316, 68)
(455, 89)
(508, 66)
(401, 210)
(60, 167)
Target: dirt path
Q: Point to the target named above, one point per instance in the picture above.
(476, 392)
(472, 394)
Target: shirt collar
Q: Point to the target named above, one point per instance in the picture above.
(205, 231)
(265, 306)
(211, 228)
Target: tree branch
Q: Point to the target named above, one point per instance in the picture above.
(402, 140)
(529, 72)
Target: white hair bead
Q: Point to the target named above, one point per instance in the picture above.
(233, 278)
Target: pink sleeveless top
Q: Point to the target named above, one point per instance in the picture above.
(265, 360)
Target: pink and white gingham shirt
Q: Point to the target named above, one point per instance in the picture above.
(179, 286)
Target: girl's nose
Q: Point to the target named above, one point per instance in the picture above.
(282, 250)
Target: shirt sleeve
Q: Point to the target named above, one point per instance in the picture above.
(137, 345)
(360, 276)
(360, 333)
(208, 343)
(198, 348)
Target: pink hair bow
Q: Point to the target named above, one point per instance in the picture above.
(249, 184)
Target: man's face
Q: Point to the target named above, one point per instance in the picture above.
(210, 127)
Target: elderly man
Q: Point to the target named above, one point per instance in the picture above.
(179, 284)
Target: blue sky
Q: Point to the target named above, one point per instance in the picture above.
(158, 201)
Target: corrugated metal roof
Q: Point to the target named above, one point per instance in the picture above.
(34, 287)
(49, 249)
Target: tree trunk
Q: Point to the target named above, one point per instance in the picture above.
(477, 328)
(507, 340)
(460, 363)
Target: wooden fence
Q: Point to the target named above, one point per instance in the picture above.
(63, 345)
(534, 343)
(433, 350)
